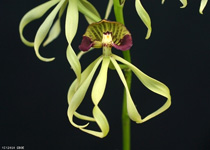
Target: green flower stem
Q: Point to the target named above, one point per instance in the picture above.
(118, 10)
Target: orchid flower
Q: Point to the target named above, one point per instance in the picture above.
(107, 34)
(51, 26)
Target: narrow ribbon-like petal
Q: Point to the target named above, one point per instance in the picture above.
(153, 85)
(144, 17)
(132, 111)
(72, 19)
(56, 28)
(202, 6)
(44, 29)
(32, 15)
(74, 86)
(92, 9)
(97, 113)
(108, 9)
(88, 12)
(97, 94)
(79, 95)
(74, 62)
(102, 123)
(100, 82)
(184, 3)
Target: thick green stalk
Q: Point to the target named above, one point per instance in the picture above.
(118, 10)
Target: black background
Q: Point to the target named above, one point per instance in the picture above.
(33, 101)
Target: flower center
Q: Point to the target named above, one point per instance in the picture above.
(107, 39)
(107, 44)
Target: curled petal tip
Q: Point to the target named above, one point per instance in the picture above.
(125, 43)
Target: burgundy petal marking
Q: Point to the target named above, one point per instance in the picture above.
(125, 43)
(86, 44)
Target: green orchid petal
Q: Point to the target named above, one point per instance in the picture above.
(32, 15)
(102, 123)
(163, 1)
(72, 19)
(80, 54)
(132, 111)
(88, 13)
(97, 94)
(74, 62)
(90, 8)
(202, 6)
(100, 82)
(144, 17)
(108, 9)
(56, 28)
(79, 95)
(184, 3)
(73, 88)
(153, 85)
(44, 29)
(83, 117)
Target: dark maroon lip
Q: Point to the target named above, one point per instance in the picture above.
(86, 44)
(125, 43)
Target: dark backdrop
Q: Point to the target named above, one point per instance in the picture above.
(33, 101)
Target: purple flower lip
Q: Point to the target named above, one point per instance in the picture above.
(125, 43)
(86, 44)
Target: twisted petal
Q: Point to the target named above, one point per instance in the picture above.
(32, 15)
(74, 62)
(79, 95)
(202, 5)
(144, 17)
(91, 9)
(184, 3)
(108, 9)
(101, 121)
(44, 29)
(97, 94)
(72, 18)
(56, 28)
(153, 85)
(88, 11)
(132, 111)
(74, 86)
